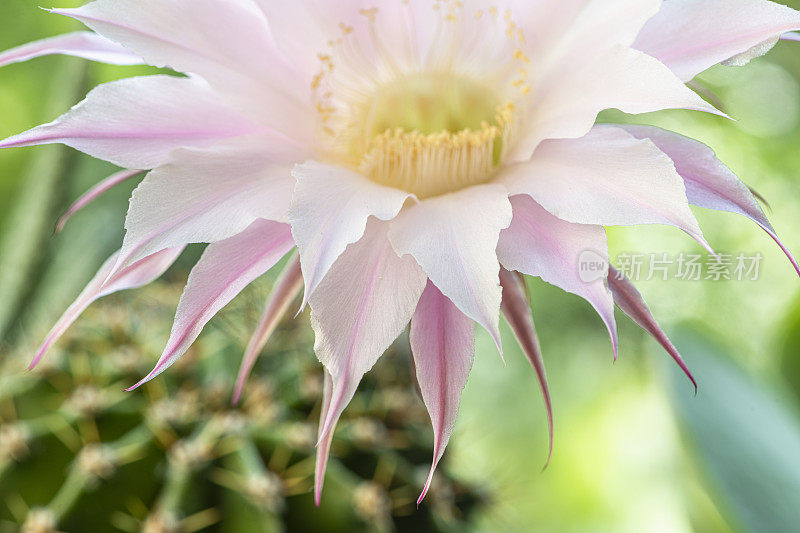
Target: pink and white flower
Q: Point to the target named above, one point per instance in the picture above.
(421, 155)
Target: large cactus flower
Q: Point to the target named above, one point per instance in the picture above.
(421, 155)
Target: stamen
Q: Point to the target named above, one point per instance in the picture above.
(425, 121)
(437, 163)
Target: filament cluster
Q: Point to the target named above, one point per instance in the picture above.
(427, 118)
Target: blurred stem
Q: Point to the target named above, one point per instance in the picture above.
(29, 223)
(68, 494)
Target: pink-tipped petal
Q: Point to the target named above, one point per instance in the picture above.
(83, 44)
(209, 195)
(226, 42)
(324, 444)
(628, 298)
(93, 193)
(454, 237)
(141, 273)
(443, 346)
(138, 122)
(713, 32)
(283, 294)
(607, 178)
(359, 309)
(709, 183)
(224, 270)
(329, 211)
(540, 244)
(518, 313)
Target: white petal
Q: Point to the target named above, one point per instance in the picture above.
(453, 237)
(567, 99)
(223, 271)
(443, 346)
(690, 36)
(608, 178)
(227, 42)
(207, 196)
(539, 244)
(83, 44)
(329, 210)
(137, 122)
(359, 309)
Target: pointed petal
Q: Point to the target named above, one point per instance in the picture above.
(714, 31)
(453, 237)
(359, 309)
(224, 270)
(518, 313)
(324, 445)
(208, 196)
(83, 44)
(539, 244)
(607, 178)
(137, 122)
(443, 346)
(283, 294)
(227, 42)
(329, 211)
(137, 275)
(93, 193)
(619, 77)
(709, 183)
(632, 304)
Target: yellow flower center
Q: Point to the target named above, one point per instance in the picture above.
(431, 128)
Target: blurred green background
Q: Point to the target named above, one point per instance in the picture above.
(636, 450)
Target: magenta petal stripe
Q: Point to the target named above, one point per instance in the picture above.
(141, 273)
(224, 270)
(628, 298)
(329, 211)
(517, 311)
(226, 42)
(362, 305)
(454, 237)
(83, 44)
(286, 288)
(138, 122)
(443, 346)
(208, 195)
(709, 183)
(93, 193)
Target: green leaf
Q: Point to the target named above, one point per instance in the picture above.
(746, 439)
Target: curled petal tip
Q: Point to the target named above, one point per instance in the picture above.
(424, 490)
(139, 384)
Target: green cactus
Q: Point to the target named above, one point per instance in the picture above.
(77, 453)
